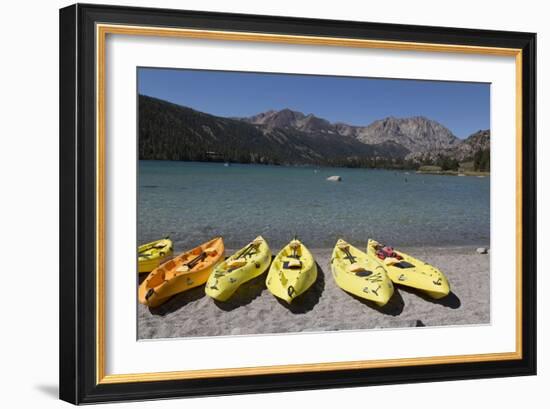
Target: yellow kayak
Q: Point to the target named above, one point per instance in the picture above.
(151, 254)
(188, 270)
(411, 272)
(249, 262)
(292, 272)
(360, 273)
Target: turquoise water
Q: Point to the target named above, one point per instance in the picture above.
(192, 202)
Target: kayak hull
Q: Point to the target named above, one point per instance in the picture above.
(150, 255)
(289, 283)
(248, 263)
(173, 277)
(416, 274)
(361, 274)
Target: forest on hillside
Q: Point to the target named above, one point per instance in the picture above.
(172, 132)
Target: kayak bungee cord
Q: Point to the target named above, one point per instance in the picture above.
(196, 260)
(348, 254)
(243, 251)
(246, 251)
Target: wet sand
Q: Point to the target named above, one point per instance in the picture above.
(325, 306)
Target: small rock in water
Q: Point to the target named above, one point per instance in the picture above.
(482, 250)
(334, 178)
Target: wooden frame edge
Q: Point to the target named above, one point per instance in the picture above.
(100, 205)
(288, 369)
(103, 29)
(122, 29)
(519, 203)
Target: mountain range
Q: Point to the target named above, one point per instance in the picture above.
(172, 132)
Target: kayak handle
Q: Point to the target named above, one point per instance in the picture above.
(291, 291)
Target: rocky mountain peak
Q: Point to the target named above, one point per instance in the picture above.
(479, 140)
(287, 118)
(276, 119)
(416, 133)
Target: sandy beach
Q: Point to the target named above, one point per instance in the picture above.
(326, 307)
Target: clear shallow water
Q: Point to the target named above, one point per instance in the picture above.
(193, 202)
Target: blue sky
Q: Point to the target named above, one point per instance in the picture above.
(462, 107)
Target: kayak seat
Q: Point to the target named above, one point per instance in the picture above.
(234, 264)
(183, 268)
(292, 264)
(364, 273)
(356, 267)
(404, 264)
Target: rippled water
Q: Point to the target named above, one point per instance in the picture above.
(192, 202)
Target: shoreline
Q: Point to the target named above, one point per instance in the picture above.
(327, 167)
(411, 249)
(453, 173)
(325, 306)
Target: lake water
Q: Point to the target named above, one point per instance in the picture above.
(193, 202)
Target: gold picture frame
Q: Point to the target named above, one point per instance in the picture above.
(106, 21)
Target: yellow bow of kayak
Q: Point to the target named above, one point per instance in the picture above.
(189, 269)
(411, 272)
(360, 274)
(246, 264)
(292, 272)
(151, 254)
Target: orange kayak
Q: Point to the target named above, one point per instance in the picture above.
(190, 269)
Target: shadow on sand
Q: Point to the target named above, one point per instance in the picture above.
(178, 301)
(450, 301)
(142, 277)
(394, 307)
(245, 294)
(306, 301)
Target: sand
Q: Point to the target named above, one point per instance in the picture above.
(326, 307)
